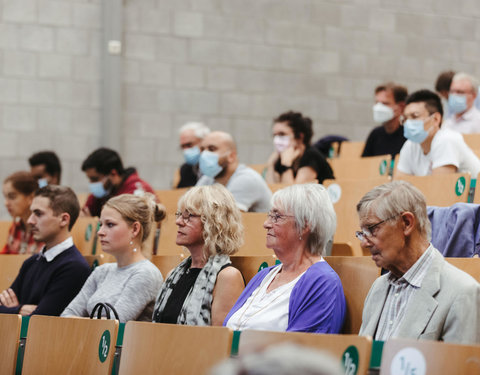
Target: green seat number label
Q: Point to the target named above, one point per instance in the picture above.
(88, 232)
(350, 360)
(460, 186)
(104, 346)
(262, 266)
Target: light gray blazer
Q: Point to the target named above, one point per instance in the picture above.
(446, 307)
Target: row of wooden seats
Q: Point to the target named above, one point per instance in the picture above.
(82, 346)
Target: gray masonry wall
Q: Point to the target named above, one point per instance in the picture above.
(234, 64)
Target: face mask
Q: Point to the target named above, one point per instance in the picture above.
(208, 164)
(42, 182)
(97, 189)
(191, 155)
(281, 142)
(382, 113)
(457, 103)
(413, 130)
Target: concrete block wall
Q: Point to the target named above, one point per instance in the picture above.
(234, 64)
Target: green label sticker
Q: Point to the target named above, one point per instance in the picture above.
(350, 360)
(460, 186)
(104, 346)
(88, 232)
(278, 261)
(383, 167)
(262, 266)
(95, 264)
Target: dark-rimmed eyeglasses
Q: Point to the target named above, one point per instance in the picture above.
(275, 216)
(368, 232)
(185, 215)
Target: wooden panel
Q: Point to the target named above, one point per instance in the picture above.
(468, 265)
(4, 227)
(255, 235)
(440, 358)
(84, 234)
(250, 265)
(151, 348)
(169, 198)
(472, 141)
(166, 263)
(168, 236)
(74, 346)
(345, 203)
(254, 341)
(357, 275)
(342, 249)
(440, 190)
(10, 264)
(10, 329)
(361, 168)
(351, 149)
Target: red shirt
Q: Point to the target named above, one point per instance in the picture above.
(20, 241)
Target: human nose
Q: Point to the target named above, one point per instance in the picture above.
(267, 224)
(31, 220)
(101, 231)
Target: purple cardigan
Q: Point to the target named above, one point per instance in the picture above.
(317, 303)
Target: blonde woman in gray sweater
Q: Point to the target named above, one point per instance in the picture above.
(130, 285)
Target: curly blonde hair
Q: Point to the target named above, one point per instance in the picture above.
(220, 216)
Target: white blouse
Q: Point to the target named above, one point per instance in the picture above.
(262, 310)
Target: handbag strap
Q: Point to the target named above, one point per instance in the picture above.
(99, 307)
(113, 310)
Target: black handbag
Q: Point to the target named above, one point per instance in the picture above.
(100, 307)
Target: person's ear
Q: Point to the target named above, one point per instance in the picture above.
(135, 228)
(409, 222)
(64, 220)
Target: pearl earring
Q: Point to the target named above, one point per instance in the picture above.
(134, 249)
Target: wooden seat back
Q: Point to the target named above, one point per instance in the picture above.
(357, 275)
(346, 194)
(10, 328)
(4, 228)
(166, 263)
(169, 198)
(468, 265)
(154, 348)
(342, 249)
(429, 357)
(350, 150)
(441, 190)
(10, 265)
(255, 235)
(472, 141)
(339, 346)
(250, 265)
(84, 234)
(69, 346)
(361, 168)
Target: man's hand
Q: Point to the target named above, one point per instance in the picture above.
(8, 298)
(27, 309)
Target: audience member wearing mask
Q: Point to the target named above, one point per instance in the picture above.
(18, 191)
(191, 135)
(464, 117)
(294, 161)
(442, 87)
(46, 168)
(430, 149)
(387, 138)
(219, 164)
(104, 169)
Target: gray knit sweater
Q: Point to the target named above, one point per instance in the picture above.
(131, 290)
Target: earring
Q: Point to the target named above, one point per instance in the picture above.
(134, 249)
(300, 238)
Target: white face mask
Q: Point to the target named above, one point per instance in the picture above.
(382, 113)
(281, 142)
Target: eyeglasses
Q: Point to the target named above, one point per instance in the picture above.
(185, 215)
(275, 216)
(368, 232)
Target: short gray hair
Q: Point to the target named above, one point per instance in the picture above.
(464, 76)
(199, 128)
(394, 198)
(311, 206)
(281, 359)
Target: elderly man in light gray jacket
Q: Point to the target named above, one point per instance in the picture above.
(422, 296)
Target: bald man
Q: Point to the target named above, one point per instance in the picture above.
(219, 164)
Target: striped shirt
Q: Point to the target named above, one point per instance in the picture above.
(399, 293)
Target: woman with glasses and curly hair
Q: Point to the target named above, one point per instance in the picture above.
(203, 288)
(303, 293)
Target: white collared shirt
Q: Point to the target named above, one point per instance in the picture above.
(56, 250)
(467, 123)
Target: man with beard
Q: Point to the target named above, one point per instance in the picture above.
(49, 280)
(219, 164)
(104, 168)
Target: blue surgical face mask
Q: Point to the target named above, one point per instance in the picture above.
(97, 189)
(42, 182)
(457, 103)
(192, 155)
(208, 164)
(414, 131)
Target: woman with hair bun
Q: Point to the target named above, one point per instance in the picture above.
(131, 284)
(294, 161)
(203, 288)
(18, 191)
